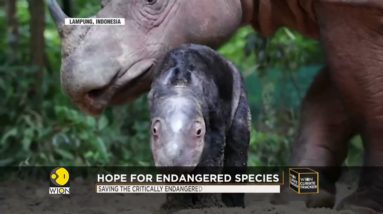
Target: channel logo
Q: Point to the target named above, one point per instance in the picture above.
(304, 180)
(59, 181)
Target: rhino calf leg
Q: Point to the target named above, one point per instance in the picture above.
(237, 144)
(325, 130)
(176, 202)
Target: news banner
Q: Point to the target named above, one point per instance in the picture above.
(189, 183)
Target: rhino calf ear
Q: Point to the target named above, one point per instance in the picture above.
(104, 3)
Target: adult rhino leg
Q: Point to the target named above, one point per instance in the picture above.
(325, 130)
(352, 36)
(368, 198)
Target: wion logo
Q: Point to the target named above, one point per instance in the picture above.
(59, 182)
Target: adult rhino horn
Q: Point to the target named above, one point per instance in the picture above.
(57, 13)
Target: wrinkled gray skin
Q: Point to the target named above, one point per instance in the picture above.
(102, 66)
(200, 118)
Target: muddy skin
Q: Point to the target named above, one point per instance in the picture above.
(360, 85)
(200, 118)
(345, 99)
(325, 130)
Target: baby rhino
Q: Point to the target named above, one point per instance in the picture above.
(200, 118)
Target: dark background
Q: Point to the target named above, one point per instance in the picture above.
(39, 125)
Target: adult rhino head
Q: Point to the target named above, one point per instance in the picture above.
(106, 65)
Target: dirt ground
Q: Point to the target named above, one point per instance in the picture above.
(18, 197)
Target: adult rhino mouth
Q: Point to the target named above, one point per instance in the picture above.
(126, 85)
(93, 96)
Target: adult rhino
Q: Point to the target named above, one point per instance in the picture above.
(106, 65)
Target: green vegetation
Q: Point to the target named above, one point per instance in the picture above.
(39, 125)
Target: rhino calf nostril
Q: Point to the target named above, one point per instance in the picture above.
(156, 128)
(198, 132)
(199, 129)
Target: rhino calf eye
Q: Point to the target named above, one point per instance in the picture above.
(199, 132)
(151, 1)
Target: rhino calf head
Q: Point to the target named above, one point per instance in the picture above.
(177, 107)
(104, 65)
(177, 129)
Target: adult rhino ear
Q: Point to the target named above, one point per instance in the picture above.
(104, 3)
